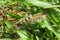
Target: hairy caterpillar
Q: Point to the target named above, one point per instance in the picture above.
(30, 19)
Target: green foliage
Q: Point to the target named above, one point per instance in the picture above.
(41, 4)
(9, 24)
(14, 16)
(24, 35)
(46, 29)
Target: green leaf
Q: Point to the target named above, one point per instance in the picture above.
(14, 16)
(24, 34)
(41, 4)
(9, 24)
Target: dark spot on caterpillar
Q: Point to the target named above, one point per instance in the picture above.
(17, 26)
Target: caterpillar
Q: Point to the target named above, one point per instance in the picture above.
(30, 19)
